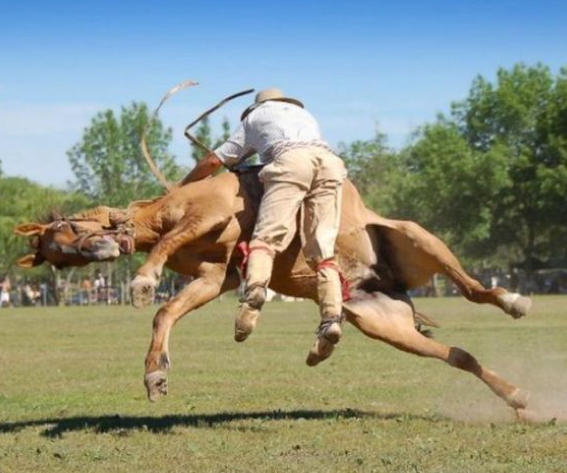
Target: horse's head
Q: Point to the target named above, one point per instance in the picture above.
(73, 242)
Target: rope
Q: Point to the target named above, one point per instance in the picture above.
(246, 250)
(345, 285)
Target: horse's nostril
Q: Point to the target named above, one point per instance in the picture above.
(105, 248)
(103, 242)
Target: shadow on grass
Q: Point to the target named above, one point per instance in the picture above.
(123, 425)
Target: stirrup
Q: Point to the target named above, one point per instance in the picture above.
(324, 327)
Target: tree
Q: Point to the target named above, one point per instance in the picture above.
(205, 136)
(371, 166)
(492, 177)
(522, 120)
(22, 201)
(108, 163)
(225, 132)
(450, 188)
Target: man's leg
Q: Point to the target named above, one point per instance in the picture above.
(321, 226)
(329, 294)
(285, 185)
(258, 274)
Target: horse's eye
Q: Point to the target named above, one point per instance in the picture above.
(61, 225)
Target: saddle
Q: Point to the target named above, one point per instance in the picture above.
(249, 180)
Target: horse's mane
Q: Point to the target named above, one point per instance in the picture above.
(100, 213)
(49, 217)
(138, 204)
(110, 216)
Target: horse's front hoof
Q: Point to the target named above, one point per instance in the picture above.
(156, 385)
(143, 291)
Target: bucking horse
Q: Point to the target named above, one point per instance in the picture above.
(195, 230)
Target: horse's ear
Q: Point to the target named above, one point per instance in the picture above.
(30, 229)
(31, 260)
(54, 216)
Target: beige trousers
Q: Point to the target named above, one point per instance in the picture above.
(312, 176)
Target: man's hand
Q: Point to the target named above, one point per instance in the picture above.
(204, 168)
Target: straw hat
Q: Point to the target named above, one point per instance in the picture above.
(269, 94)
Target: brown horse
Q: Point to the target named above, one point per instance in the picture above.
(195, 229)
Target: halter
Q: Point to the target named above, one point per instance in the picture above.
(121, 229)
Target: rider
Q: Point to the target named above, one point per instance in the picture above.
(300, 168)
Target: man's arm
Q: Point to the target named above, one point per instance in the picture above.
(230, 153)
(204, 168)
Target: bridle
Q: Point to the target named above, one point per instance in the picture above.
(82, 234)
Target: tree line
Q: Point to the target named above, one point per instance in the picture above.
(489, 177)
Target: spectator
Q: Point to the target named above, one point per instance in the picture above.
(28, 295)
(86, 287)
(5, 288)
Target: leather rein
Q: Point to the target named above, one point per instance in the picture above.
(122, 229)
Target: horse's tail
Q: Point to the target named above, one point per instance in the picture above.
(422, 321)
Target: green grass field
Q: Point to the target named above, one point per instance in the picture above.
(72, 399)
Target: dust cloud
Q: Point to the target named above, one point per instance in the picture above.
(542, 372)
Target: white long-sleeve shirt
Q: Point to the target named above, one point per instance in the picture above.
(271, 127)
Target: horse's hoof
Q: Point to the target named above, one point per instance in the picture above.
(516, 305)
(143, 291)
(156, 385)
(526, 415)
(320, 351)
(520, 307)
(518, 399)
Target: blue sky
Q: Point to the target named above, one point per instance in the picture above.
(354, 64)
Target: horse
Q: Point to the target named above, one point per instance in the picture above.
(195, 230)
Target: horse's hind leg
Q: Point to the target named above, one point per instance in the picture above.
(428, 254)
(513, 304)
(390, 320)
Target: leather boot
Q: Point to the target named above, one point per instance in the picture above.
(330, 298)
(259, 271)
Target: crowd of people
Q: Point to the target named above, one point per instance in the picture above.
(24, 293)
(28, 293)
(96, 290)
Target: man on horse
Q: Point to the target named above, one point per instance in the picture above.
(299, 169)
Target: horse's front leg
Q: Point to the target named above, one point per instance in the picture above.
(186, 232)
(212, 282)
